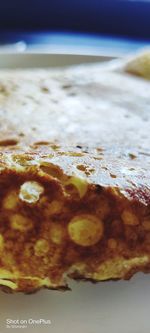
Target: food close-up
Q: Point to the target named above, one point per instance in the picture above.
(74, 166)
(74, 174)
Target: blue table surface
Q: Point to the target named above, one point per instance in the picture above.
(130, 18)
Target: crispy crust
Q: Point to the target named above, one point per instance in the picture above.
(80, 210)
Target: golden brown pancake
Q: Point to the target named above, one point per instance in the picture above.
(75, 176)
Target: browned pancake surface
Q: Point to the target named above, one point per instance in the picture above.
(75, 176)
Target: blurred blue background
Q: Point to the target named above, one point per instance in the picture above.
(62, 21)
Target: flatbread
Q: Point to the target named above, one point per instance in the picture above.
(75, 175)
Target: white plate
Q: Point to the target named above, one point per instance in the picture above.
(29, 59)
(108, 307)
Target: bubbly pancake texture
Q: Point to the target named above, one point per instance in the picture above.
(74, 176)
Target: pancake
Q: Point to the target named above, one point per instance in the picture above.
(75, 176)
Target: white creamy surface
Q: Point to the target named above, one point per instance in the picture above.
(85, 105)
